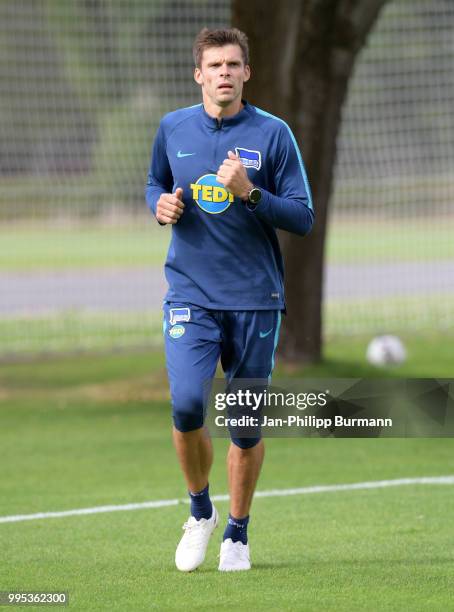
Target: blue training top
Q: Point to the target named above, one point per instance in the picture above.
(225, 255)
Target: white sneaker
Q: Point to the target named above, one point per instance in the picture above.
(234, 556)
(193, 545)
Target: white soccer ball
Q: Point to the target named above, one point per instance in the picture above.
(386, 350)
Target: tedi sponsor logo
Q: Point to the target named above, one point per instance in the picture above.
(211, 196)
(176, 331)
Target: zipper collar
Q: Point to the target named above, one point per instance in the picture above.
(225, 122)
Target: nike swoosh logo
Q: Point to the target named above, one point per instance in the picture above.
(180, 154)
(265, 334)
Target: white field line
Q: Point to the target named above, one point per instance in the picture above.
(354, 486)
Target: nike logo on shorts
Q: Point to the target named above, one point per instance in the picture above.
(265, 334)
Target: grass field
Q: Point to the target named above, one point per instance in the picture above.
(73, 330)
(68, 245)
(78, 330)
(86, 431)
(65, 244)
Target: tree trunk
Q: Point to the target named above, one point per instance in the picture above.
(302, 57)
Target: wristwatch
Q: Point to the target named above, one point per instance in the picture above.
(254, 196)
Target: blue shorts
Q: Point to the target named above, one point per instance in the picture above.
(196, 338)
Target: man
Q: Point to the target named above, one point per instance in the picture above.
(224, 174)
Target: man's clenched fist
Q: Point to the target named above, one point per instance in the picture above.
(170, 207)
(232, 174)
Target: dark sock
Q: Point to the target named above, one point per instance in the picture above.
(201, 506)
(236, 529)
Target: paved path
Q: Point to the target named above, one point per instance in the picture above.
(136, 289)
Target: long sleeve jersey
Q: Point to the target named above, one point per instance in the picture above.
(224, 254)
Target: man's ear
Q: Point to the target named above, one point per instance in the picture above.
(198, 76)
(247, 71)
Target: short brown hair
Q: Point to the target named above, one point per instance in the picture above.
(218, 38)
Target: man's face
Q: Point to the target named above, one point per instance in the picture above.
(222, 74)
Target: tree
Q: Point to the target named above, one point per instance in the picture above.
(302, 57)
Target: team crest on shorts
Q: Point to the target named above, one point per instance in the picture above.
(249, 158)
(179, 315)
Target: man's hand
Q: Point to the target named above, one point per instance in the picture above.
(170, 207)
(232, 174)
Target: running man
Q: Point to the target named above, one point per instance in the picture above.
(225, 175)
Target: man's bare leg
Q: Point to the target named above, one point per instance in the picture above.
(243, 466)
(195, 454)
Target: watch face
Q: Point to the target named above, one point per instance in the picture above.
(255, 196)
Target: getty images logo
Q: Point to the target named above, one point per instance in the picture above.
(245, 398)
